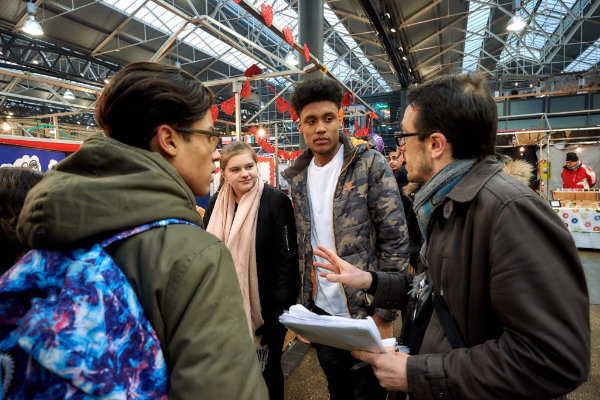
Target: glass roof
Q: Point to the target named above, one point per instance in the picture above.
(479, 16)
(545, 30)
(284, 15)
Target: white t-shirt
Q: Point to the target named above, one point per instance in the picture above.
(321, 186)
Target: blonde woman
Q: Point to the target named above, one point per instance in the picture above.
(256, 223)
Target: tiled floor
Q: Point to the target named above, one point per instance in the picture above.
(591, 267)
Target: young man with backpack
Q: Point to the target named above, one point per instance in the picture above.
(138, 183)
(345, 196)
(507, 322)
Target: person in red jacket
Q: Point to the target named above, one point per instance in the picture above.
(575, 175)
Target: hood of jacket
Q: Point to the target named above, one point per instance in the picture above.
(352, 147)
(521, 170)
(106, 187)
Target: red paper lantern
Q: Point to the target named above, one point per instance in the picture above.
(289, 37)
(245, 93)
(346, 100)
(253, 70)
(214, 111)
(228, 106)
(306, 53)
(373, 115)
(282, 105)
(267, 13)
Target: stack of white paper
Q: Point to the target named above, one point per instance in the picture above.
(343, 333)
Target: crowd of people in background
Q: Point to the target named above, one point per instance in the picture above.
(439, 235)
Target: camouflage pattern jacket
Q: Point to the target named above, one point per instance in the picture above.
(369, 224)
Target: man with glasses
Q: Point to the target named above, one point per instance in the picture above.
(156, 156)
(507, 322)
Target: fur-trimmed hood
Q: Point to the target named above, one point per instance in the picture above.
(521, 170)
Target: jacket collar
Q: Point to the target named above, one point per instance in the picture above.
(471, 184)
(304, 159)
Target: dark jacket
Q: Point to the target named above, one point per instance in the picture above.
(276, 253)
(183, 276)
(509, 272)
(369, 226)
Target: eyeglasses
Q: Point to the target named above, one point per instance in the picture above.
(401, 137)
(214, 136)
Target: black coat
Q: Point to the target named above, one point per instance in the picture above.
(276, 252)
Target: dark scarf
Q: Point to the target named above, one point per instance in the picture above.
(434, 191)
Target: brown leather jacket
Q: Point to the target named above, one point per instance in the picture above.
(510, 274)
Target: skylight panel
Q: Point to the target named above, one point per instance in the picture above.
(477, 21)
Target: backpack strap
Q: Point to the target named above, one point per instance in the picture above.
(143, 228)
(448, 323)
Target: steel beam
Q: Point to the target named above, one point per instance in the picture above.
(42, 101)
(419, 13)
(158, 55)
(117, 29)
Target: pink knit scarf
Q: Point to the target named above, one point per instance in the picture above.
(239, 235)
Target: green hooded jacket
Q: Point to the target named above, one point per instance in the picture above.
(183, 276)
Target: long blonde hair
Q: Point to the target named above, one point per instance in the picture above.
(231, 150)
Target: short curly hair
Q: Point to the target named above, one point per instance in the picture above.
(316, 90)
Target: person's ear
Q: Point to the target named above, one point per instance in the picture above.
(167, 140)
(439, 145)
(300, 126)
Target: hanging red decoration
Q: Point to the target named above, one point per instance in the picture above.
(345, 131)
(253, 130)
(253, 70)
(282, 105)
(245, 93)
(237, 1)
(306, 53)
(228, 106)
(346, 100)
(267, 13)
(293, 114)
(214, 111)
(373, 115)
(289, 37)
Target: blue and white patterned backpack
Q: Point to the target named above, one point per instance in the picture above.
(72, 327)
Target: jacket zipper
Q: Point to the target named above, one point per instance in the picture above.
(333, 221)
(286, 238)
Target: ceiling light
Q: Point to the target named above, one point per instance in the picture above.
(409, 70)
(177, 64)
(34, 61)
(52, 131)
(516, 23)
(69, 95)
(531, 85)
(261, 132)
(31, 26)
(393, 30)
(291, 58)
(404, 58)
(400, 48)
(10, 113)
(387, 15)
(516, 83)
(9, 117)
(6, 126)
(78, 123)
(577, 150)
(106, 81)
(522, 149)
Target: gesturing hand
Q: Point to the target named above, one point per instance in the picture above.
(341, 271)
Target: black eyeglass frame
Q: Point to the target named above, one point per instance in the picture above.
(214, 136)
(399, 136)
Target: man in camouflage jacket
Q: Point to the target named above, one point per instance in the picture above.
(368, 223)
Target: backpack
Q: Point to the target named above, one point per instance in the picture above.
(72, 327)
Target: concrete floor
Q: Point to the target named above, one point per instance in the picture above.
(307, 381)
